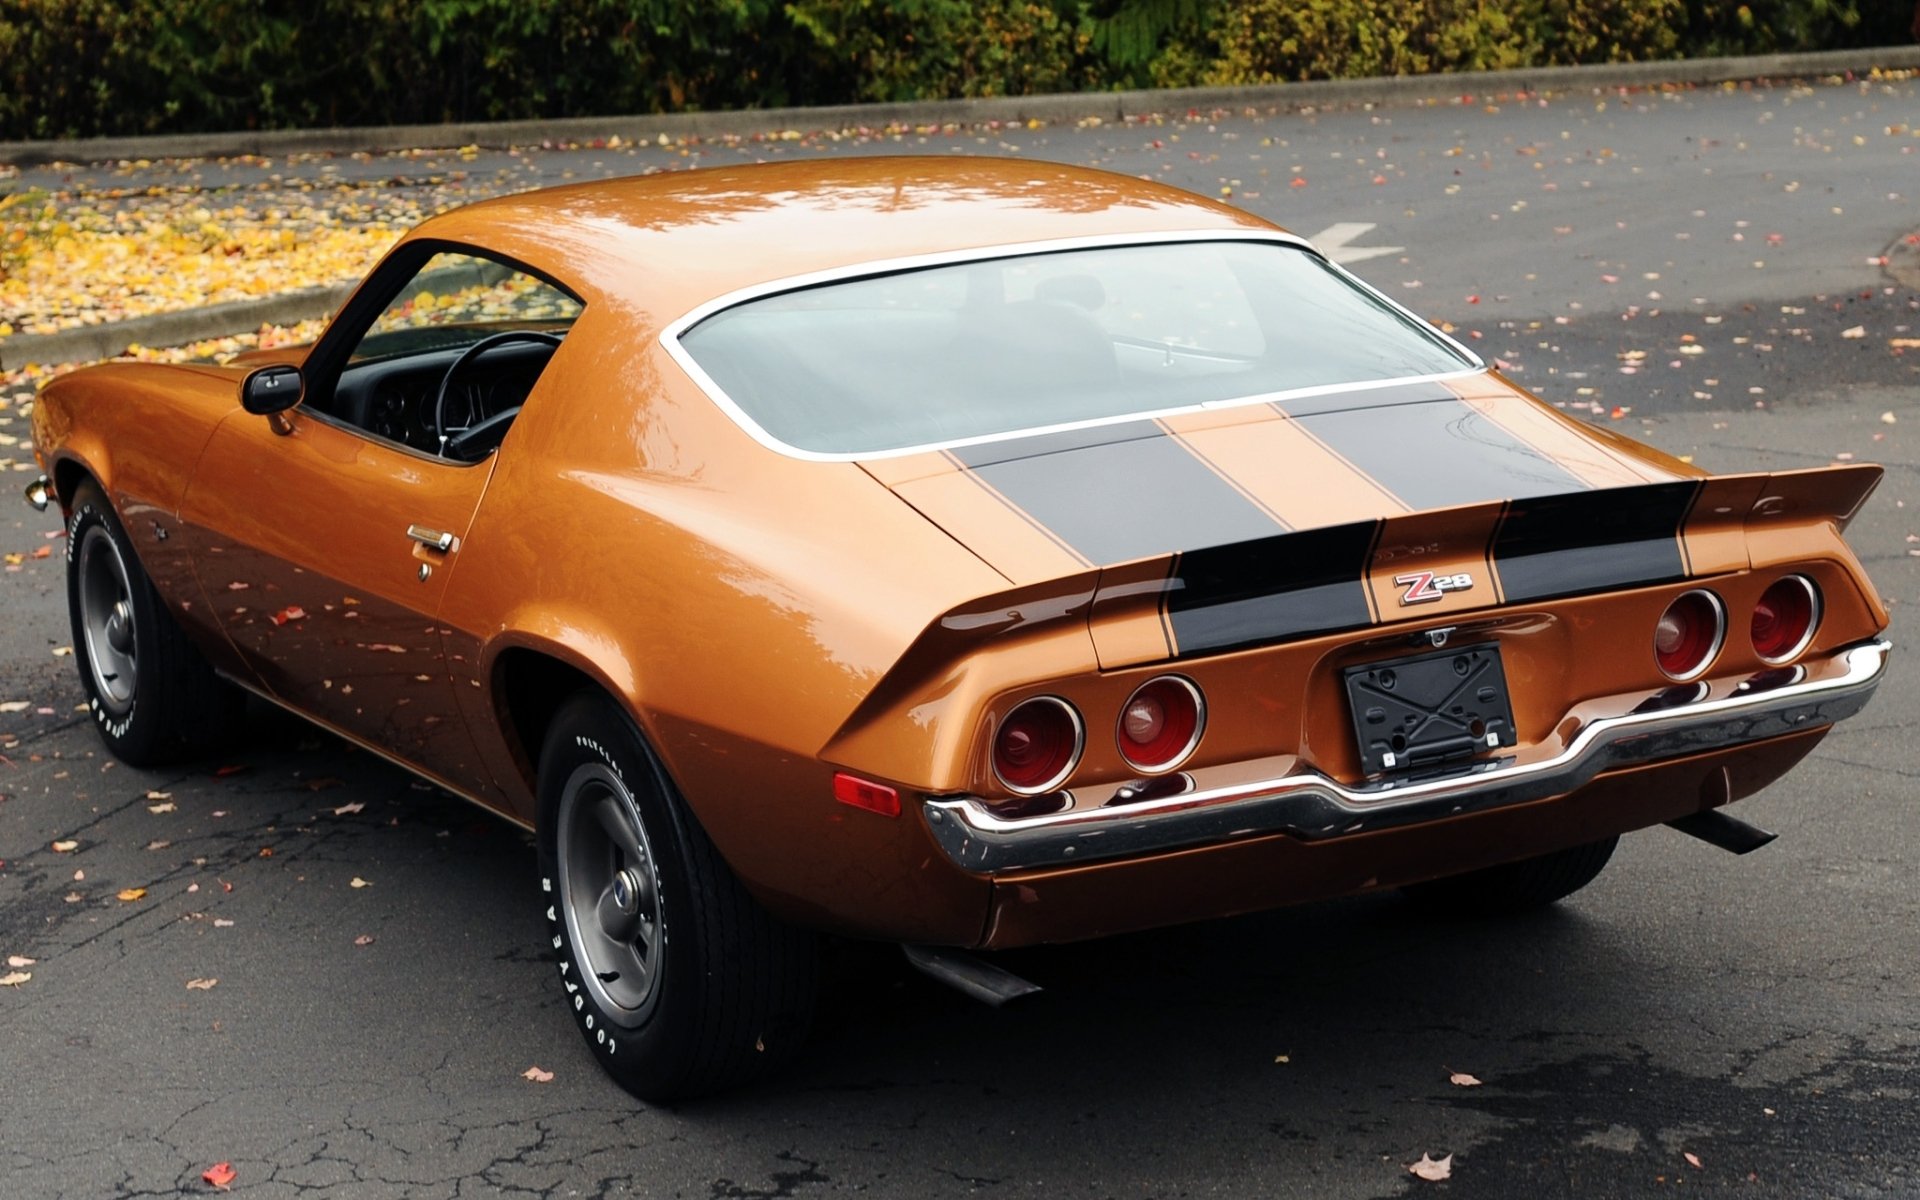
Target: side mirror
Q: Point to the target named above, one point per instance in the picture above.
(272, 390)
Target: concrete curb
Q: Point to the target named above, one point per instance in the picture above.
(94, 342)
(1109, 106)
(90, 343)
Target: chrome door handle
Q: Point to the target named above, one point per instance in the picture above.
(432, 539)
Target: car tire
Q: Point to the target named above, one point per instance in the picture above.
(681, 983)
(153, 696)
(1517, 886)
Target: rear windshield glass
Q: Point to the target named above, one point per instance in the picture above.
(976, 349)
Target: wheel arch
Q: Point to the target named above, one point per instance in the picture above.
(528, 679)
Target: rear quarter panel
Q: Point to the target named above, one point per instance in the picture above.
(741, 604)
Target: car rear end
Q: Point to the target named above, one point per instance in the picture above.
(1302, 599)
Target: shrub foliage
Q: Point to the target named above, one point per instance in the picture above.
(90, 67)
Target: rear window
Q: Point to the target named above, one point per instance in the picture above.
(974, 350)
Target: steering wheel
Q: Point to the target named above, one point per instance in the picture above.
(460, 364)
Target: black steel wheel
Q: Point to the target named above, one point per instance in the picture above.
(1517, 886)
(681, 983)
(153, 697)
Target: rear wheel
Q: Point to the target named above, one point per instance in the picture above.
(153, 697)
(1517, 886)
(679, 980)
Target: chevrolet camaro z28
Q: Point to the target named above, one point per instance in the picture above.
(964, 554)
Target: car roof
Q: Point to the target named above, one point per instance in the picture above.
(665, 243)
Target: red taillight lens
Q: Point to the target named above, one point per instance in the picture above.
(1784, 618)
(1037, 745)
(1689, 634)
(1160, 724)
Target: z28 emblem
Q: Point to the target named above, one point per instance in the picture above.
(1423, 586)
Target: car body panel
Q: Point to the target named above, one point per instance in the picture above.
(770, 619)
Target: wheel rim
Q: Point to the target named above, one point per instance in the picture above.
(610, 891)
(106, 620)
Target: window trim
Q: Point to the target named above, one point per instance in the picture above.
(671, 335)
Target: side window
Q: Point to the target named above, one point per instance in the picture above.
(447, 364)
(456, 299)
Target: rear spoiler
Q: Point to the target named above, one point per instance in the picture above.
(1436, 563)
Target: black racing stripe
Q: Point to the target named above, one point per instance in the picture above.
(1440, 454)
(1592, 541)
(1292, 585)
(1116, 500)
(983, 454)
(1390, 395)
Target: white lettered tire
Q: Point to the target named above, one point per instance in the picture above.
(679, 980)
(152, 695)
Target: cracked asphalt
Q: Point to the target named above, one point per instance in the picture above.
(1759, 1014)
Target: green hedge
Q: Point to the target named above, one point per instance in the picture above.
(89, 67)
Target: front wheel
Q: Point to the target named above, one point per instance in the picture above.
(153, 696)
(679, 980)
(1517, 886)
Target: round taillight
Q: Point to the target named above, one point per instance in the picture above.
(1689, 634)
(1037, 745)
(1160, 724)
(1784, 618)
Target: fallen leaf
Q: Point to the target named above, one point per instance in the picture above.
(1857, 331)
(201, 985)
(16, 978)
(66, 847)
(348, 809)
(222, 923)
(537, 1075)
(365, 939)
(159, 809)
(159, 795)
(20, 960)
(132, 894)
(290, 613)
(1693, 1160)
(219, 1174)
(158, 844)
(223, 772)
(359, 882)
(1432, 1170)
(1462, 1079)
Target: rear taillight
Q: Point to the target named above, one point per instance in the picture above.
(1036, 746)
(1160, 724)
(1784, 618)
(1689, 634)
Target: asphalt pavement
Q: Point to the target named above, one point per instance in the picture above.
(1714, 271)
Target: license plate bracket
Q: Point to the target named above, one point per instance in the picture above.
(1430, 708)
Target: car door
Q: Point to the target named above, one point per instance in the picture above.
(324, 537)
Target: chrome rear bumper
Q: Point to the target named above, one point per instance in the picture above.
(1312, 807)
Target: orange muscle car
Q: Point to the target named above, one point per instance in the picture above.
(964, 554)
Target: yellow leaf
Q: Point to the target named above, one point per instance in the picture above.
(132, 894)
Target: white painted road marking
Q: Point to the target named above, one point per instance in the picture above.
(1333, 242)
